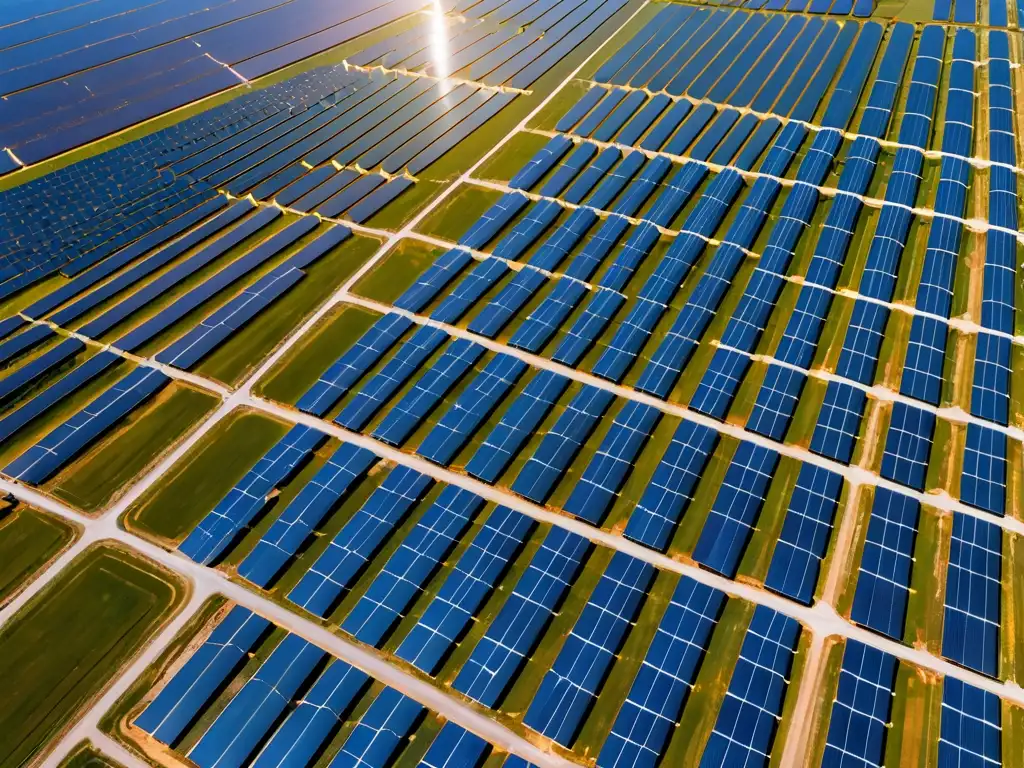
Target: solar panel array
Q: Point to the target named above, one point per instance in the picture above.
(296, 704)
(717, 308)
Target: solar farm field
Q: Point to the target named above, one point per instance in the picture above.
(511, 384)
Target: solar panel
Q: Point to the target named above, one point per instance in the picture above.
(570, 688)
(194, 685)
(337, 380)
(455, 747)
(545, 320)
(496, 217)
(478, 281)
(835, 434)
(559, 446)
(407, 571)
(883, 581)
(971, 725)
(588, 326)
(77, 378)
(61, 445)
(250, 714)
(465, 589)
(313, 504)
(983, 478)
(516, 425)
(908, 445)
(861, 709)
(417, 403)
(648, 717)
(606, 473)
(379, 388)
(737, 506)
(990, 390)
(471, 408)
(971, 630)
(243, 502)
(670, 491)
(752, 709)
(319, 590)
(516, 630)
(806, 531)
(380, 732)
(308, 727)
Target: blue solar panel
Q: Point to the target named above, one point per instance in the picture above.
(380, 732)
(250, 714)
(835, 434)
(983, 478)
(403, 365)
(317, 499)
(407, 571)
(61, 445)
(671, 488)
(358, 541)
(586, 103)
(748, 718)
(883, 582)
(495, 218)
(515, 631)
(650, 714)
(503, 307)
(469, 410)
(776, 401)
(806, 530)
(517, 425)
(545, 320)
(563, 175)
(862, 708)
(971, 623)
(219, 528)
(417, 403)
(525, 232)
(337, 380)
(455, 747)
(737, 506)
(559, 446)
(990, 390)
(908, 445)
(465, 589)
(193, 686)
(321, 710)
(570, 688)
(480, 279)
(595, 491)
(971, 732)
(435, 279)
(588, 326)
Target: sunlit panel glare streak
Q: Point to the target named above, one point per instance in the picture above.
(439, 47)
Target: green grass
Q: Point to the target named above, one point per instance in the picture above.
(928, 580)
(1013, 735)
(507, 161)
(245, 350)
(94, 480)
(392, 275)
(302, 365)
(913, 739)
(85, 755)
(64, 647)
(451, 219)
(174, 506)
(28, 540)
